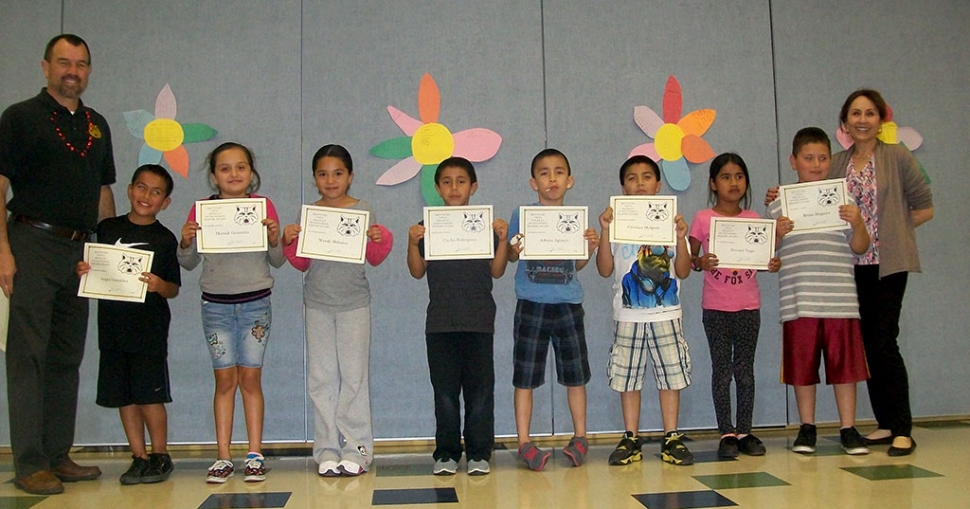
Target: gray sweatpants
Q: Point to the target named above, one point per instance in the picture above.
(338, 353)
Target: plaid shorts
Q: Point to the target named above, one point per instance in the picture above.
(537, 325)
(668, 350)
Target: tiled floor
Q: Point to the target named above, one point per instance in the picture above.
(936, 476)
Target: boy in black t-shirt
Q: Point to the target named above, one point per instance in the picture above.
(133, 336)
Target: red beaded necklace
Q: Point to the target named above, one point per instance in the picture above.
(83, 152)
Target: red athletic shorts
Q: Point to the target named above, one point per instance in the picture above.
(806, 339)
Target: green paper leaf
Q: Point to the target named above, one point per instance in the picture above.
(197, 132)
(430, 194)
(394, 148)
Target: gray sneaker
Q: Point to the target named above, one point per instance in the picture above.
(445, 466)
(478, 467)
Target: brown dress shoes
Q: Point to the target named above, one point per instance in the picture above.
(41, 482)
(68, 471)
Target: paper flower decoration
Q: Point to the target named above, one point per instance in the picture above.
(677, 139)
(891, 133)
(426, 143)
(163, 135)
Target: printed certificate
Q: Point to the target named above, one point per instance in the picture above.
(553, 233)
(458, 233)
(814, 206)
(231, 226)
(643, 220)
(742, 243)
(115, 273)
(338, 235)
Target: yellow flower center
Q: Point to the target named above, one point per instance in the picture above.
(164, 134)
(668, 141)
(432, 143)
(888, 133)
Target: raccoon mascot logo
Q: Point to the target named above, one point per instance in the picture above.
(568, 223)
(246, 215)
(657, 211)
(828, 196)
(756, 235)
(473, 223)
(348, 226)
(130, 264)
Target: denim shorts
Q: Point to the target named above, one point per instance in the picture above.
(237, 333)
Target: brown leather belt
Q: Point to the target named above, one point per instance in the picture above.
(60, 231)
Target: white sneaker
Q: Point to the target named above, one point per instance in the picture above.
(350, 468)
(478, 467)
(329, 469)
(445, 467)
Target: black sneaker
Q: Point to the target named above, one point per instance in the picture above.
(674, 451)
(136, 472)
(751, 445)
(728, 447)
(805, 441)
(627, 451)
(159, 468)
(852, 441)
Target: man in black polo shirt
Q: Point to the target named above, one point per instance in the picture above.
(55, 154)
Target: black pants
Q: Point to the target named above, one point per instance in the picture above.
(461, 363)
(45, 344)
(880, 303)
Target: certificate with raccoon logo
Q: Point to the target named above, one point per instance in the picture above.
(231, 226)
(742, 243)
(116, 272)
(553, 233)
(814, 206)
(338, 235)
(458, 233)
(643, 220)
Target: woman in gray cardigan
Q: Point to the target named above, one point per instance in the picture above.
(894, 199)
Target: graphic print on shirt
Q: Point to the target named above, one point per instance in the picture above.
(648, 283)
(550, 272)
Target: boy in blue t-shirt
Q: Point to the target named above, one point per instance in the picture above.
(647, 314)
(549, 309)
(132, 336)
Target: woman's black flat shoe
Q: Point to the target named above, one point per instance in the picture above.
(903, 451)
(879, 441)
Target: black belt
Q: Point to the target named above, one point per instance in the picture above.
(60, 231)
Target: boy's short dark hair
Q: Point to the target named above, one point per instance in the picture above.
(639, 159)
(807, 135)
(456, 162)
(549, 152)
(156, 170)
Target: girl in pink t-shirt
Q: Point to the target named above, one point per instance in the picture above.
(731, 303)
